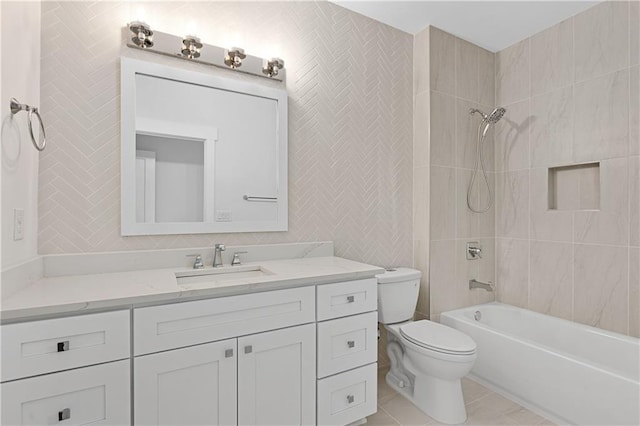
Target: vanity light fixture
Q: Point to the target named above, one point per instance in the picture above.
(272, 67)
(138, 35)
(233, 58)
(142, 34)
(191, 46)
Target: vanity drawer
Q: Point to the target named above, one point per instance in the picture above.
(347, 397)
(39, 347)
(159, 328)
(347, 298)
(347, 343)
(97, 395)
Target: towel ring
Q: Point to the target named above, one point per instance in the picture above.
(16, 107)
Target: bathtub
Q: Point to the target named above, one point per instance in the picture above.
(565, 371)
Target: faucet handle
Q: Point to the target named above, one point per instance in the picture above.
(197, 264)
(236, 258)
(220, 247)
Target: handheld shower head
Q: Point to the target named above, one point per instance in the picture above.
(495, 115)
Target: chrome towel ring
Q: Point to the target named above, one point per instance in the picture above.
(16, 107)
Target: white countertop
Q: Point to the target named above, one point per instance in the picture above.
(76, 293)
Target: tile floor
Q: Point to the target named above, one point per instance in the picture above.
(484, 407)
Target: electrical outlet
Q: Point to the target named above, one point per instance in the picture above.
(223, 216)
(18, 224)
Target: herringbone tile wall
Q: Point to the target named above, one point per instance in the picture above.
(350, 124)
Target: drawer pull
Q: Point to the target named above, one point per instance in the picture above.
(351, 344)
(351, 299)
(63, 346)
(228, 353)
(350, 399)
(248, 349)
(64, 414)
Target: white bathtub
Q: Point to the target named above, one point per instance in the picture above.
(568, 372)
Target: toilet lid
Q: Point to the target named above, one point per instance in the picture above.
(438, 337)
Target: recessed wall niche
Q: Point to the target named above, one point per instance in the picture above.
(575, 187)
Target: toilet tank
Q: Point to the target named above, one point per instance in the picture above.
(397, 294)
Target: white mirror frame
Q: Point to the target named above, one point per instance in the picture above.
(129, 226)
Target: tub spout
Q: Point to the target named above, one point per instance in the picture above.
(477, 284)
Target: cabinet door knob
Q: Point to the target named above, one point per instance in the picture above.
(350, 399)
(351, 344)
(64, 414)
(351, 299)
(63, 346)
(228, 353)
(248, 349)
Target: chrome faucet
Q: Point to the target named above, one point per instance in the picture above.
(477, 284)
(217, 255)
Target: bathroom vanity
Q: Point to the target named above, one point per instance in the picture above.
(275, 342)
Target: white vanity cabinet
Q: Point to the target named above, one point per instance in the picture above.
(260, 377)
(94, 388)
(294, 356)
(347, 351)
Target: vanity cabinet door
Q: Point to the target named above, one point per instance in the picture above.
(276, 377)
(190, 386)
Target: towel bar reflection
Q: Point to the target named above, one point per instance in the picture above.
(262, 199)
(16, 107)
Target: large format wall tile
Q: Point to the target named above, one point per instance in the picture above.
(552, 128)
(512, 272)
(443, 129)
(551, 285)
(634, 291)
(512, 197)
(466, 220)
(609, 224)
(584, 107)
(466, 55)
(546, 224)
(350, 123)
(634, 111)
(422, 148)
(601, 39)
(421, 62)
(601, 128)
(512, 137)
(442, 61)
(443, 207)
(486, 77)
(421, 203)
(512, 73)
(600, 295)
(442, 277)
(634, 201)
(552, 58)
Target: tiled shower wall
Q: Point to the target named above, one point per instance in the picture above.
(349, 80)
(452, 77)
(572, 96)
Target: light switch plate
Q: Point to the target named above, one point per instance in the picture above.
(223, 216)
(18, 224)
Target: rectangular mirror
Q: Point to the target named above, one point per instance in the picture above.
(200, 153)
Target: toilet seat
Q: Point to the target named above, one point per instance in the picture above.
(436, 337)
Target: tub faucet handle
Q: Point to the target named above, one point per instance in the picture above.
(474, 251)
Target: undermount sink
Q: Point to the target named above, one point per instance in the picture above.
(220, 275)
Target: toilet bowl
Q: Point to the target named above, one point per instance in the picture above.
(428, 359)
(437, 366)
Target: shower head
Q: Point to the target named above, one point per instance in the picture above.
(495, 115)
(492, 118)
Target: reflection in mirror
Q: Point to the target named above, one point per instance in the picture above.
(200, 153)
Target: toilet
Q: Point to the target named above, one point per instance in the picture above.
(428, 359)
